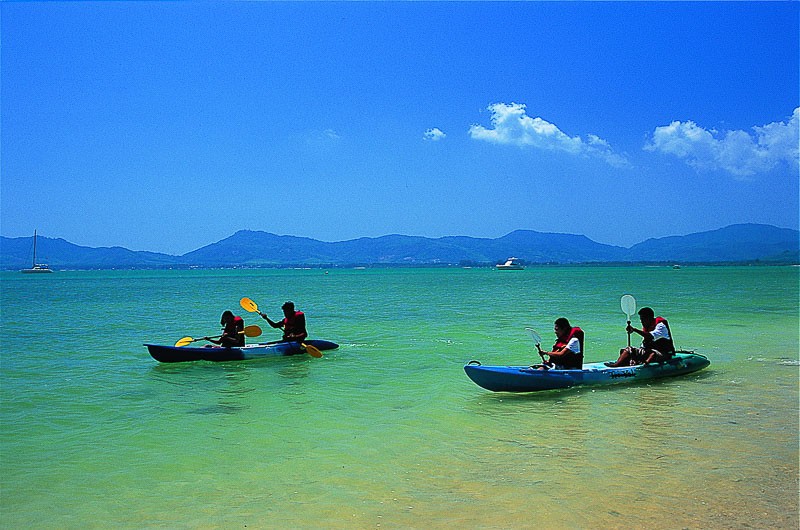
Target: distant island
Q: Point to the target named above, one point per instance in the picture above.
(741, 243)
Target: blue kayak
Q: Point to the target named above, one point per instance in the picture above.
(175, 354)
(531, 379)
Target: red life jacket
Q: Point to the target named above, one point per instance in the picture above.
(665, 346)
(572, 359)
(573, 333)
(295, 325)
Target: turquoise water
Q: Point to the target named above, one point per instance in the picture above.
(387, 431)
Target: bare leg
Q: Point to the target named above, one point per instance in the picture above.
(623, 360)
(655, 356)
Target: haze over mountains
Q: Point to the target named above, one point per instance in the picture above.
(735, 243)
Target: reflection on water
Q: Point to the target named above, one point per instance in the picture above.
(213, 388)
(295, 367)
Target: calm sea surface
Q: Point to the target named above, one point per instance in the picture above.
(387, 431)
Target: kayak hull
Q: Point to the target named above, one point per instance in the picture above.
(174, 354)
(530, 379)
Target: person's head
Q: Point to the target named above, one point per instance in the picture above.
(288, 308)
(562, 327)
(227, 317)
(647, 316)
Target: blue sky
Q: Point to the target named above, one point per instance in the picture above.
(169, 126)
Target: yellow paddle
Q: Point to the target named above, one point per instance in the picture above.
(249, 305)
(249, 331)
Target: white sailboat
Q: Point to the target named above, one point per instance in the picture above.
(36, 267)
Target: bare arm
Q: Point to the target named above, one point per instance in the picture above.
(271, 322)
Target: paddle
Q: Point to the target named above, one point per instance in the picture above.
(537, 340)
(249, 331)
(249, 305)
(628, 304)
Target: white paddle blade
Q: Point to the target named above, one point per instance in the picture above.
(537, 340)
(628, 304)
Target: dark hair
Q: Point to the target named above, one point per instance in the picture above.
(647, 313)
(288, 305)
(227, 315)
(563, 323)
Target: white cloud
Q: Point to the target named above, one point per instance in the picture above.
(513, 126)
(434, 134)
(738, 152)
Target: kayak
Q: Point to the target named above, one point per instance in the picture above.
(531, 379)
(175, 354)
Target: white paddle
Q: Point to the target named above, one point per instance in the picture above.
(628, 304)
(537, 340)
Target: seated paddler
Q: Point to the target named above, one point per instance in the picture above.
(293, 323)
(567, 352)
(657, 345)
(232, 331)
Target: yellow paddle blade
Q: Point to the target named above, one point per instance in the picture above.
(184, 341)
(312, 350)
(252, 331)
(248, 305)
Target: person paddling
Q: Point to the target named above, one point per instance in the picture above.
(293, 323)
(232, 331)
(567, 353)
(657, 345)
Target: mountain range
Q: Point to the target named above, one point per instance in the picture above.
(735, 243)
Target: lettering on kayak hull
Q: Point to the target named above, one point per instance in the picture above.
(626, 373)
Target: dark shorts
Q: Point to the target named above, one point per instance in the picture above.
(570, 361)
(640, 355)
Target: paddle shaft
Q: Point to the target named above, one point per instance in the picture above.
(249, 331)
(537, 340)
(629, 335)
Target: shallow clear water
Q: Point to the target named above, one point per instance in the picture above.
(387, 431)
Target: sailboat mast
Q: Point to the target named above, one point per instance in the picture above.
(34, 266)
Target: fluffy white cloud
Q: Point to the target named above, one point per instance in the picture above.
(512, 125)
(434, 134)
(738, 152)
